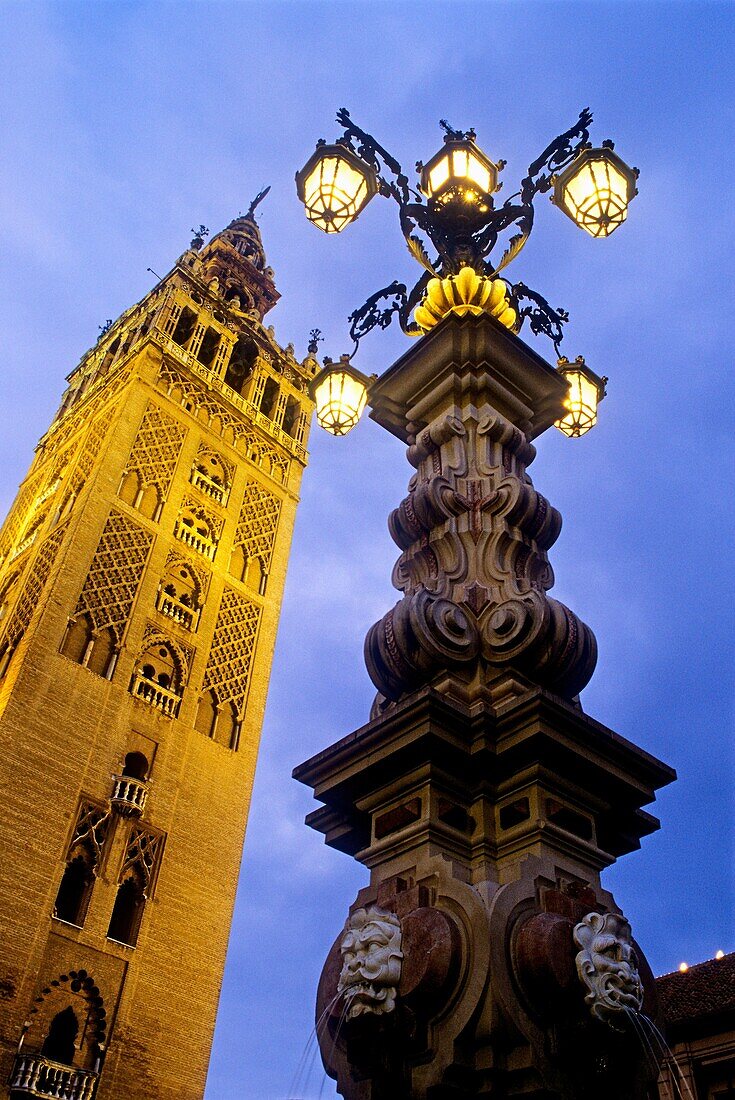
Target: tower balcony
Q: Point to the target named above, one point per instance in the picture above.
(34, 1075)
(207, 485)
(195, 540)
(129, 795)
(155, 695)
(180, 612)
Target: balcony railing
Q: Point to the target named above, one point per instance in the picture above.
(202, 481)
(174, 609)
(195, 540)
(155, 695)
(34, 1075)
(129, 795)
(24, 545)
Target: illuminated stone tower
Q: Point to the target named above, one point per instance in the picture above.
(143, 565)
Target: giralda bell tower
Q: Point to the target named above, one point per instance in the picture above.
(143, 564)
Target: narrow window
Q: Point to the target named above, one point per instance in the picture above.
(77, 638)
(269, 400)
(101, 653)
(184, 327)
(208, 348)
(75, 891)
(291, 416)
(127, 912)
(206, 714)
(242, 363)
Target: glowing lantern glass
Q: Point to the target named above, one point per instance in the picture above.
(461, 176)
(586, 390)
(334, 186)
(339, 392)
(595, 190)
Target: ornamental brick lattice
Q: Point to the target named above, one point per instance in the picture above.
(258, 523)
(156, 449)
(230, 658)
(29, 599)
(115, 573)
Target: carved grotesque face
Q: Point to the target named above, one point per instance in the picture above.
(371, 961)
(607, 966)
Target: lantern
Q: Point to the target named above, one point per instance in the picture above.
(460, 176)
(339, 392)
(586, 390)
(334, 186)
(594, 191)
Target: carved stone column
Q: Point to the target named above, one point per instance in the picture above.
(481, 797)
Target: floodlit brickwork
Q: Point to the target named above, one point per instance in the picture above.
(141, 573)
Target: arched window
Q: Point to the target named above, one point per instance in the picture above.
(93, 649)
(195, 530)
(208, 347)
(102, 652)
(228, 727)
(75, 889)
(158, 678)
(150, 502)
(238, 563)
(206, 714)
(77, 638)
(160, 667)
(255, 575)
(242, 362)
(210, 475)
(182, 585)
(136, 766)
(127, 911)
(60, 1042)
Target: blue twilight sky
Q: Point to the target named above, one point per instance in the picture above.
(123, 124)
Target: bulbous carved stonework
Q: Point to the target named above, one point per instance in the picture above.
(474, 533)
(420, 637)
(607, 966)
(371, 961)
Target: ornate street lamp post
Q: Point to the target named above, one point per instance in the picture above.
(484, 958)
(453, 211)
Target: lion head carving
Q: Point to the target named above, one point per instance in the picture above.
(371, 961)
(607, 966)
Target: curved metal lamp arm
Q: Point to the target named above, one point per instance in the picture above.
(542, 318)
(373, 153)
(556, 156)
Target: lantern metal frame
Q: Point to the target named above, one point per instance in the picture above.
(457, 241)
(605, 152)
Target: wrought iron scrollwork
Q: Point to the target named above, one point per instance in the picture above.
(543, 319)
(423, 228)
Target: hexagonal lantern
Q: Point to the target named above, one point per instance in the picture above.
(334, 185)
(339, 392)
(460, 176)
(586, 390)
(595, 190)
